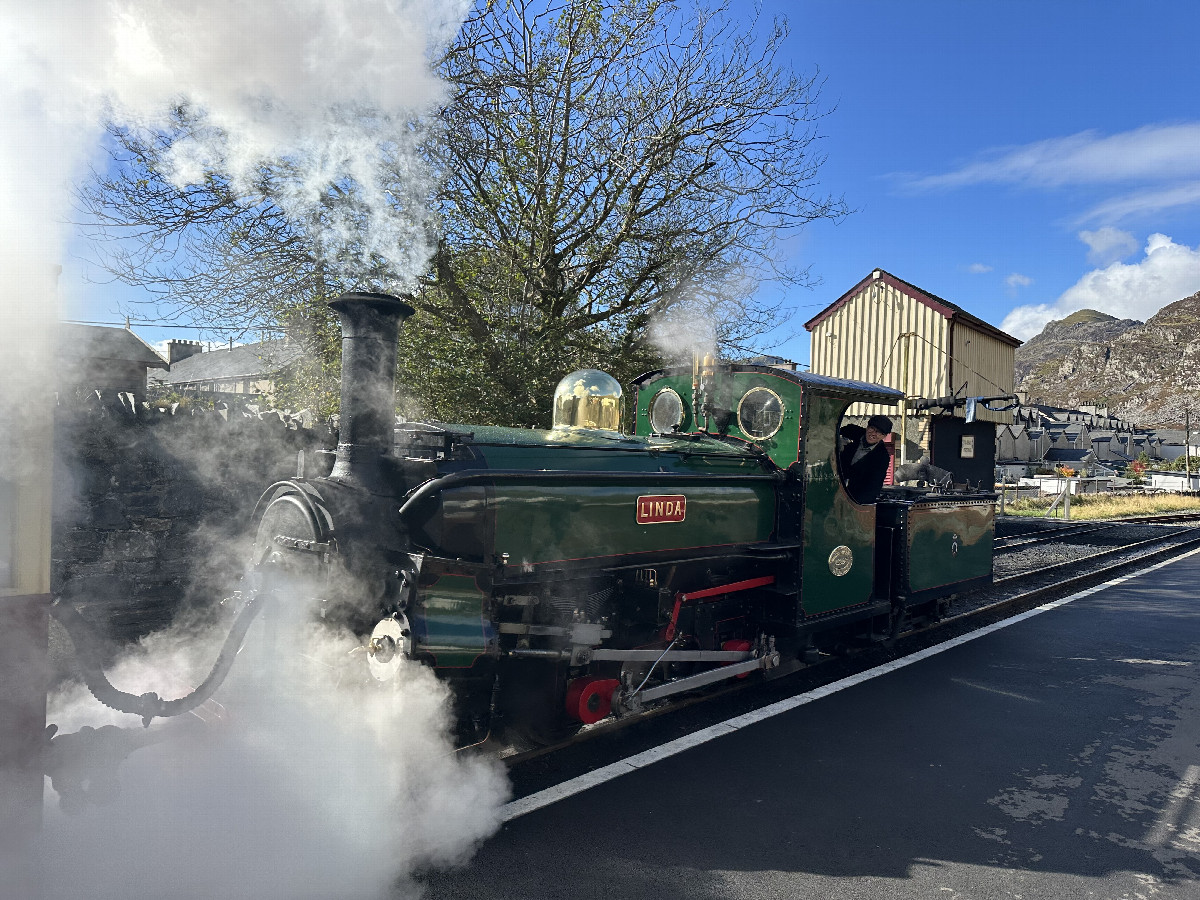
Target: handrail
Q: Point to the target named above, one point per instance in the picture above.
(457, 479)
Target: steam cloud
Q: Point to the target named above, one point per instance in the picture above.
(304, 782)
(305, 788)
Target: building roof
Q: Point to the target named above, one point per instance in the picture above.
(945, 307)
(103, 342)
(1175, 435)
(258, 360)
(1062, 455)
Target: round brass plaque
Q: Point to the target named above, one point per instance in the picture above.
(840, 560)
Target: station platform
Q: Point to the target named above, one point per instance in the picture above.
(1057, 757)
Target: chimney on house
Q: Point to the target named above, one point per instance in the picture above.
(178, 350)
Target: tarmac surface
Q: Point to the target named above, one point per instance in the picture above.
(1058, 757)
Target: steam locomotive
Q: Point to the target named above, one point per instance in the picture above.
(557, 577)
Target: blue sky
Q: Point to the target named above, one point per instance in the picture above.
(984, 145)
(1020, 159)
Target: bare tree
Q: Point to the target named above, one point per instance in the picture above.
(604, 164)
(608, 164)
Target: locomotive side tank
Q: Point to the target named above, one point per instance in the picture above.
(555, 576)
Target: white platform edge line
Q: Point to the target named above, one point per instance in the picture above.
(517, 808)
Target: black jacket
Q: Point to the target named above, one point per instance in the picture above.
(863, 479)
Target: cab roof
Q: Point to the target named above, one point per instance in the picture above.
(825, 384)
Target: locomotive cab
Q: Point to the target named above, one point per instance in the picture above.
(792, 419)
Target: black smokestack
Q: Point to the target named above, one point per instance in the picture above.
(370, 327)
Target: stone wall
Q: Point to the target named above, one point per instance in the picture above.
(152, 504)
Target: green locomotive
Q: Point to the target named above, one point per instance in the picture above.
(559, 576)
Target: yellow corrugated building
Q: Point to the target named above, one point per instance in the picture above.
(887, 331)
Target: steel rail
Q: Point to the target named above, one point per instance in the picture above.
(1012, 542)
(1113, 551)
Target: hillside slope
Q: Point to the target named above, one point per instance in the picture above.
(1144, 372)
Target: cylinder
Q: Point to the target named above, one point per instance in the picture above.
(370, 328)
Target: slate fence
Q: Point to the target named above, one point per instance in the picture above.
(152, 503)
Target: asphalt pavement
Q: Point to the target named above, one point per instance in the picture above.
(1058, 757)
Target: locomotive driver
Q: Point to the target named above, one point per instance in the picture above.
(863, 461)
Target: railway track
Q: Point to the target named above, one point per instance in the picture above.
(1175, 518)
(1012, 542)
(1008, 596)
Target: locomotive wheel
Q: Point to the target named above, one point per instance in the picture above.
(533, 697)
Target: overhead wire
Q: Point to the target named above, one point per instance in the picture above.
(145, 323)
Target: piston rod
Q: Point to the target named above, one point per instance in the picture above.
(650, 656)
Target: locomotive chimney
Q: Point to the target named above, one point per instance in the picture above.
(370, 327)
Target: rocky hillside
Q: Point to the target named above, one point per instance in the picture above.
(1043, 351)
(1145, 372)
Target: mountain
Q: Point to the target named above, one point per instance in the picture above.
(1040, 355)
(1145, 372)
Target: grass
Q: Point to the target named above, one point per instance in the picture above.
(1107, 506)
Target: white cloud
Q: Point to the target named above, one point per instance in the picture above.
(1108, 245)
(1026, 321)
(979, 268)
(1017, 280)
(1153, 152)
(1142, 203)
(1168, 272)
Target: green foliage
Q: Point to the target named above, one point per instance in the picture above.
(1181, 464)
(313, 381)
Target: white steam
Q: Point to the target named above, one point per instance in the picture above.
(303, 782)
(321, 96)
(683, 332)
(308, 788)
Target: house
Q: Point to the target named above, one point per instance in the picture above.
(244, 369)
(888, 331)
(105, 359)
(1052, 431)
(1078, 460)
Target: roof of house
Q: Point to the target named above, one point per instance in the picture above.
(1067, 455)
(1174, 435)
(945, 307)
(104, 342)
(246, 361)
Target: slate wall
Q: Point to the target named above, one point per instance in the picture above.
(152, 505)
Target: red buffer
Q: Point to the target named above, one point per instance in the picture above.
(590, 699)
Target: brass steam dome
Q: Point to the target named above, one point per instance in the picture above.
(589, 398)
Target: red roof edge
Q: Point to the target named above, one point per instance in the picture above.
(937, 304)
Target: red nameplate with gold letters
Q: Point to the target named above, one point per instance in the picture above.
(663, 508)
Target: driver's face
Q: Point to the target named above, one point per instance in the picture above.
(873, 436)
